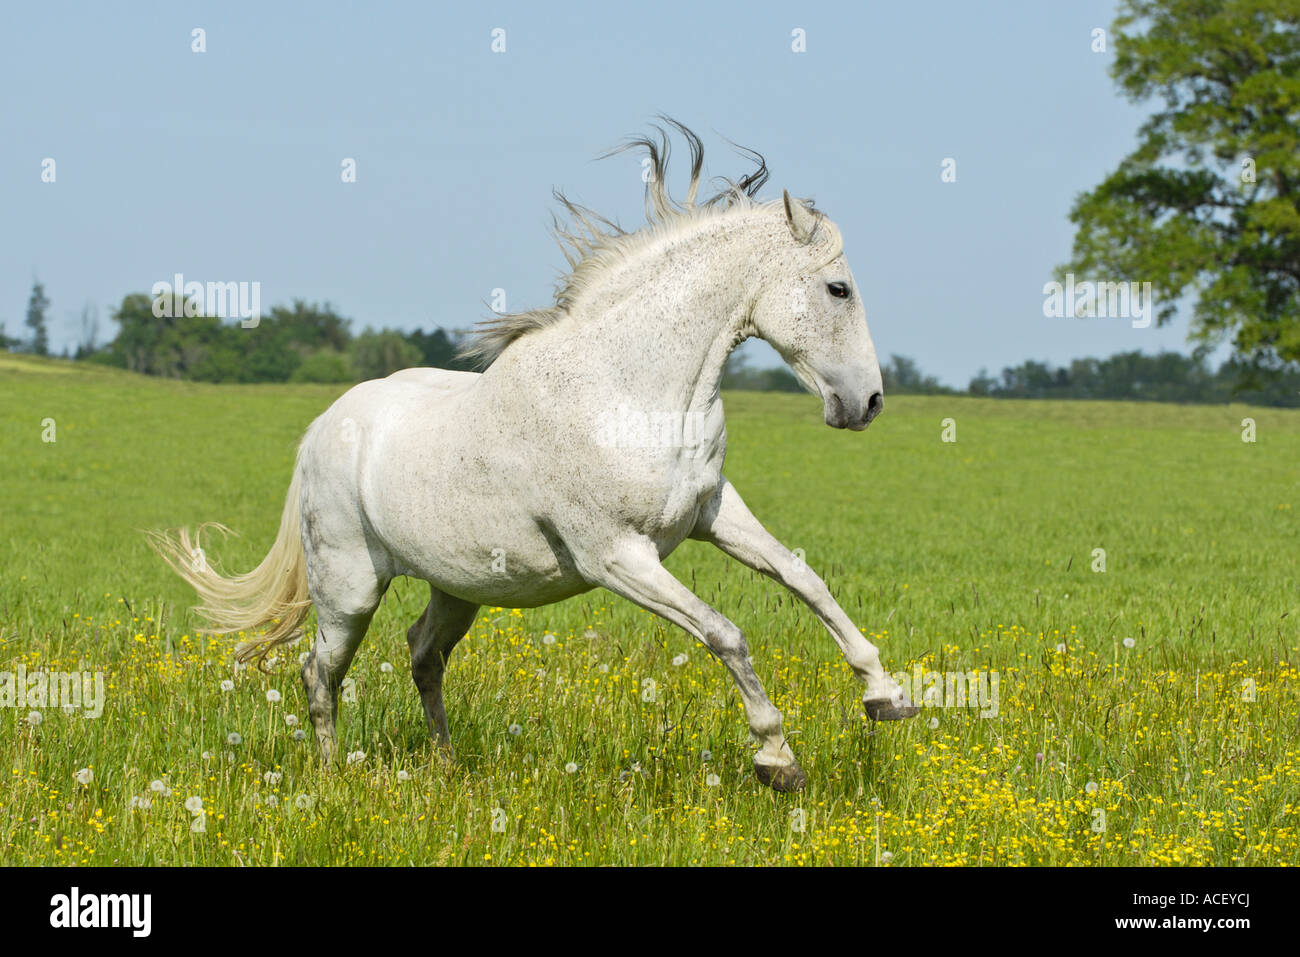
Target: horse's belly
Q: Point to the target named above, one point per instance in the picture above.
(488, 564)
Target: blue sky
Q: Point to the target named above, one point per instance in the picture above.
(225, 165)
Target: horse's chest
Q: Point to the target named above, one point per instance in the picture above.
(693, 482)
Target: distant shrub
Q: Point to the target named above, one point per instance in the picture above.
(327, 365)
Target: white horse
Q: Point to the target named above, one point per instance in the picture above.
(537, 479)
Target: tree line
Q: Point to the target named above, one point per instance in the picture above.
(307, 342)
(302, 342)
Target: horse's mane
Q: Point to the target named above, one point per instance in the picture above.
(591, 243)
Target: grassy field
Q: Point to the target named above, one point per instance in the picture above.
(1162, 693)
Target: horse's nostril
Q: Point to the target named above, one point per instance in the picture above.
(874, 405)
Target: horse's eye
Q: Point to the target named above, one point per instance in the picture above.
(840, 290)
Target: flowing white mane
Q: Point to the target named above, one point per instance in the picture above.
(592, 244)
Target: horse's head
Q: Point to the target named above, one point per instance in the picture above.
(810, 311)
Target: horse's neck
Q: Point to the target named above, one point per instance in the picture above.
(666, 321)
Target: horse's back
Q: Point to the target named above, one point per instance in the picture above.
(378, 404)
(442, 380)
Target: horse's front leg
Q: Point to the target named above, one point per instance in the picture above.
(729, 524)
(631, 569)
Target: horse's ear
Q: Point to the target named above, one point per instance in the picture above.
(800, 218)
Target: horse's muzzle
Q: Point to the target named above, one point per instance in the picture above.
(856, 417)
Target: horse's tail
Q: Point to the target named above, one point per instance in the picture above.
(273, 596)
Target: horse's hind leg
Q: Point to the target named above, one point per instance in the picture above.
(343, 614)
(432, 638)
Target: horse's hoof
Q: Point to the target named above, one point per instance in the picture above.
(890, 709)
(781, 777)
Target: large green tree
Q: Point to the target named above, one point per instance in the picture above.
(1207, 207)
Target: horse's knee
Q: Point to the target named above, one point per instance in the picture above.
(725, 640)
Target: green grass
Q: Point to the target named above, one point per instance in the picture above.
(968, 555)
